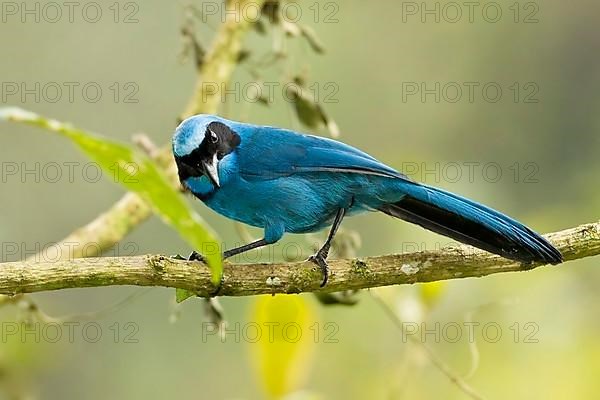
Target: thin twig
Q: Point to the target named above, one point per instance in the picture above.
(431, 354)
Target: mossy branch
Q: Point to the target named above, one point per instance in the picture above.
(252, 279)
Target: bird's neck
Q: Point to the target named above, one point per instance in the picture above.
(201, 187)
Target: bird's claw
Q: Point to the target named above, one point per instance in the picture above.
(217, 290)
(321, 261)
(195, 256)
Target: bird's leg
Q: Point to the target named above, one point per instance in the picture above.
(321, 257)
(242, 249)
(195, 256)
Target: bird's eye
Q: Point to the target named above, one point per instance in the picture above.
(213, 137)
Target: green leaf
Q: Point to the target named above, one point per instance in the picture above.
(182, 295)
(138, 173)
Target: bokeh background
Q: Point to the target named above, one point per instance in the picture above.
(544, 144)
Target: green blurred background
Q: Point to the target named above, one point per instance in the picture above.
(371, 56)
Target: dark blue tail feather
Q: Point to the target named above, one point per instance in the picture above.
(471, 223)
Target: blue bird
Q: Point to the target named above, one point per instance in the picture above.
(284, 181)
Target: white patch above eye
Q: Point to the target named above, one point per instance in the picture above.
(187, 137)
(213, 137)
(192, 131)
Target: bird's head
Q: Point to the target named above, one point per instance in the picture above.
(200, 143)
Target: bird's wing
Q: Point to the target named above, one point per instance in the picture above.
(269, 153)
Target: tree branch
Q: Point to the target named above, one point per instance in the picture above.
(252, 279)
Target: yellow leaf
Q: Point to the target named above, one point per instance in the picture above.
(431, 292)
(282, 353)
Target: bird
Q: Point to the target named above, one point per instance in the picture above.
(284, 181)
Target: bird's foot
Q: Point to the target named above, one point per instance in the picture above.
(195, 256)
(218, 288)
(321, 261)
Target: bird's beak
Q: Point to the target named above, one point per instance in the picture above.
(210, 169)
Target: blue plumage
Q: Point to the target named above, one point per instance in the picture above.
(284, 181)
